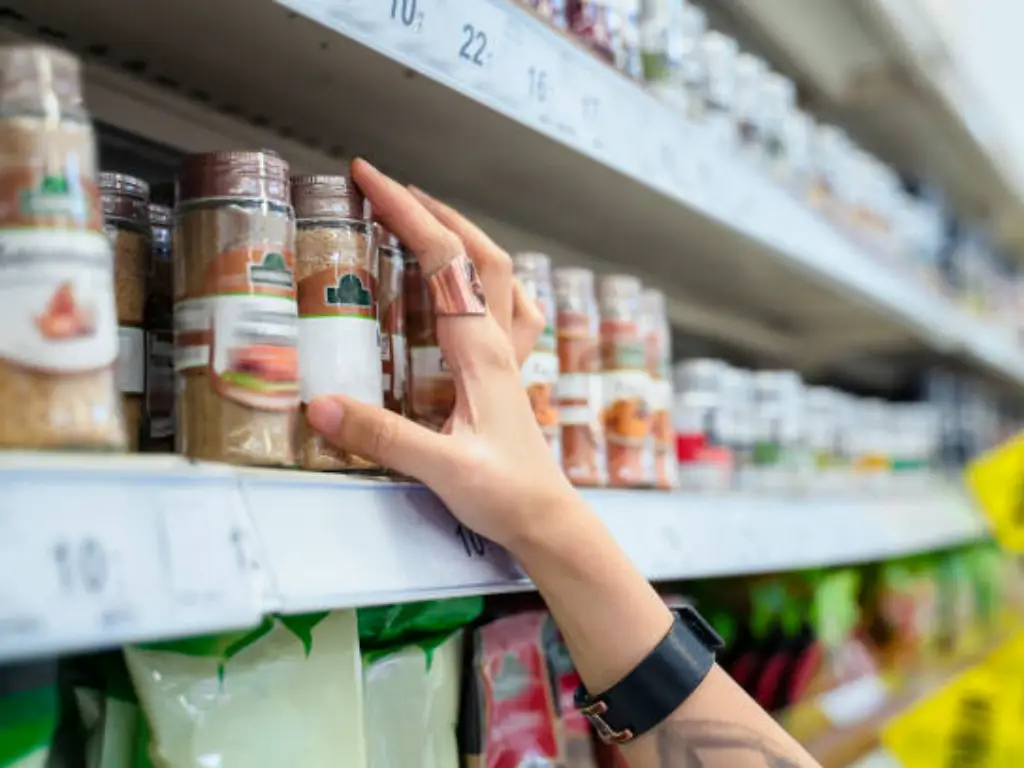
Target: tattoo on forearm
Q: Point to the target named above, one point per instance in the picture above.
(708, 744)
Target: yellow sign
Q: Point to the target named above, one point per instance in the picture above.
(972, 722)
(997, 481)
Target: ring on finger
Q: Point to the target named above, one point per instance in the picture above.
(456, 289)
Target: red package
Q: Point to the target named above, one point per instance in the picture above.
(511, 716)
(577, 742)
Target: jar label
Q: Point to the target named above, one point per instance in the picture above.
(663, 439)
(50, 198)
(431, 387)
(627, 423)
(339, 345)
(622, 347)
(578, 343)
(160, 384)
(539, 376)
(57, 301)
(583, 447)
(251, 313)
(131, 361)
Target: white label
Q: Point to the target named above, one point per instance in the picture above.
(540, 368)
(398, 366)
(57, 300)
(583, 391)
(191, 334)
(854, 702)
(131, 361)
(660, 395)
(427, 361)
(625, 385)
(340, 356)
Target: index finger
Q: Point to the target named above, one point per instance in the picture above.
(433, 244)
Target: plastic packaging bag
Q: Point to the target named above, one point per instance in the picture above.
(411, 695)
(28, 714)
(288, 693)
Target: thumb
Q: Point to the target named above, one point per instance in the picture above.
(381, 436)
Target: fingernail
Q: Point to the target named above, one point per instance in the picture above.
(417, 191)
(324, 415)
(364, 162)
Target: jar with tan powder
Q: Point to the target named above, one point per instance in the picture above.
(625, 382)
(158, 415)
(431, 388)
(540, 369)
(59, 348)
(126, 216)
(336, 270)
(391, 308)
(658, 345)
(577, 325)
(235, 310)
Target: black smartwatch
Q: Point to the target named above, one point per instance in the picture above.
(658, 685)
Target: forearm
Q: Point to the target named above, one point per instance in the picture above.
(611, 619)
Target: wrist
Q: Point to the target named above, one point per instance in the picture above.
(550, 529)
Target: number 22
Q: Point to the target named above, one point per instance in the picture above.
(474, 46)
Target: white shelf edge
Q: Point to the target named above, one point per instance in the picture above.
(201, 548)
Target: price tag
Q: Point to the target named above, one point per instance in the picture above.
(996, 480)
(467, 39)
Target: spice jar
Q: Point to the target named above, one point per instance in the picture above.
(658, 344)
(59, 348)
(391, 303)
(126, 215)
(540, 370)
(612, 29)
(158, 416)
(336, 272)
(693, 24)
(431, 389)
(579, 377)
(235, 310)
(625, 383)
(719, 54)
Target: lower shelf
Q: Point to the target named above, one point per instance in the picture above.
(98, 551)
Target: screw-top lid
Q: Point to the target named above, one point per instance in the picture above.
(124, 197)
(239, 174)
(160, 215)
(653, 303)
(574, 287)
(619, 295)
(40, 79)
(328, 197)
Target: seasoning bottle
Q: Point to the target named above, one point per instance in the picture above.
(158, 416)
(658, 345)
(625, 383)
(235, 309)
(701, 419)
(692, 26)
(751, 75)
(126, 215)
(719, 54)
(540, 370)
(59, 348)
(336, 275)
(391, 302)
(431, 389)
(577, 323)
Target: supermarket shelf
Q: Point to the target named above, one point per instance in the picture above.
(534, 132)
(100, 551)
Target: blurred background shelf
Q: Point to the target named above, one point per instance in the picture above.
(539, 140)
(102, 551)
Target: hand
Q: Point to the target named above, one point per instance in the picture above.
(492, 467)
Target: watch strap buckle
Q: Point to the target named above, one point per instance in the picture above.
(594, 710)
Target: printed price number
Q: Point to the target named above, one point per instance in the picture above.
(473, 543)
(474, 48)
(82, 566)
(540, 88)
(408, 13)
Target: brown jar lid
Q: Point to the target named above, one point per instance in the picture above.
(35, 78)
(124, 197)
(160, 215)
(328, 197)
(259, 175)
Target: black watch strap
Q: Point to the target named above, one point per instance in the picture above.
(658, 685)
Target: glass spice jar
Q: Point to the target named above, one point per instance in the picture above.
(336, 269)
(625, 382)
(393, 352)
(658, 344)
(431, 387)
(126, 215)
(235, 310)
(59, 348)
(540, 369)
(577, 323)
(158, 416)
